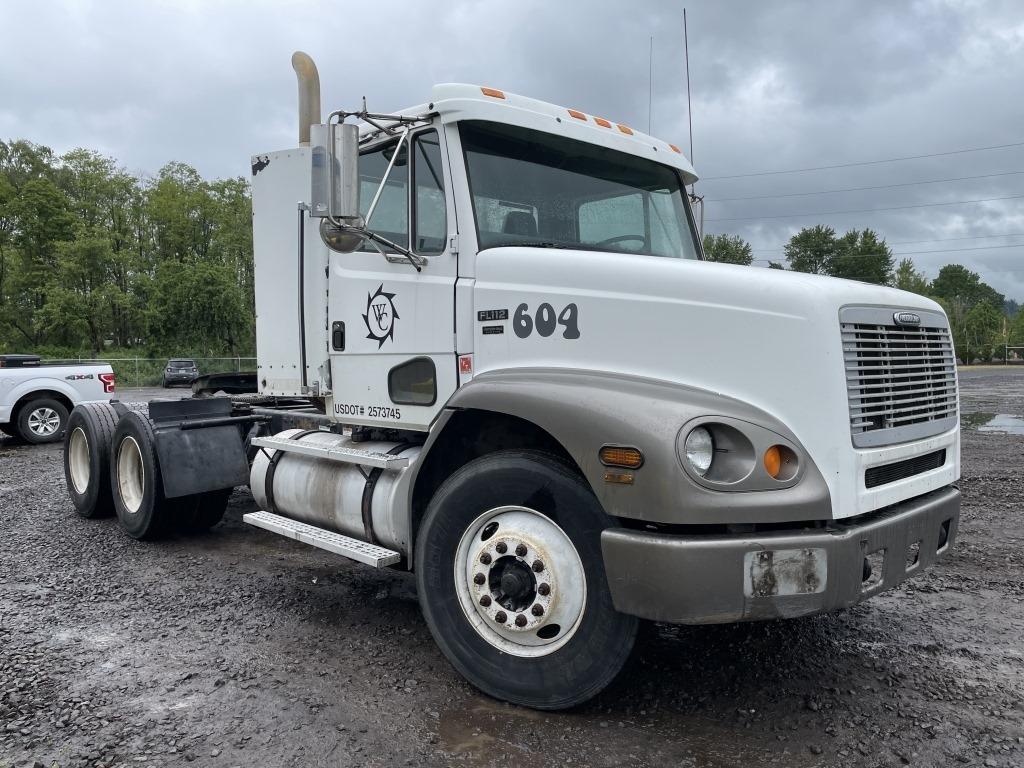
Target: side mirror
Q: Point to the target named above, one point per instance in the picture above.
(335, 172)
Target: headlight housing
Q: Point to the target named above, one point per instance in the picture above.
(726, 453)
(699, 450)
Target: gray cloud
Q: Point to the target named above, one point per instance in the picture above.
(776, 85)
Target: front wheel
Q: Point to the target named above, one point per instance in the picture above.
(42, 421)
(512, 585)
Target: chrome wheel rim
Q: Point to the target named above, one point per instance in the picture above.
(78, 459)
(520, 581)
(131, 474)
(43, 422)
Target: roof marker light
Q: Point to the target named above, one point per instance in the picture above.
(602, 122)
(493, 92)
(675, 149)
(625, 129)
(577, 114)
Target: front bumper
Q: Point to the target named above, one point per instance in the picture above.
(742, 577)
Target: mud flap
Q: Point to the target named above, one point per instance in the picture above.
(194, 458)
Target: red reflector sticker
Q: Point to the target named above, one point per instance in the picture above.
(466, 364)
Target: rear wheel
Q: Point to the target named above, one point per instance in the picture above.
(135, 480)
(87, 458)
(42, 421)
(511, 581)
(205, 510)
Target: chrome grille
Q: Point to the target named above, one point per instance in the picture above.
(901, 380)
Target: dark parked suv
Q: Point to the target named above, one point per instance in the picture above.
(180, 372)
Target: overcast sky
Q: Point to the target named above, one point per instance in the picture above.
(776, 86)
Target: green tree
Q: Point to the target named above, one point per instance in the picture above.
(983, 326)
(957, 284)
(91, 256)
(811, 250)
(857, 255)
(728, 249)
(861, 256)
(1016, 330)
(907, 278)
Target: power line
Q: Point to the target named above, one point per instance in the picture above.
(911, 253)
(951, 239)
(866, 210)
(954, 250)
(931, 240)
(864, 162)
(862, 189)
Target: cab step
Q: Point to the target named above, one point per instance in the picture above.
(384, 461)
(361, 551)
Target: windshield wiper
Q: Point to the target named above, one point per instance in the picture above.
(537, 244)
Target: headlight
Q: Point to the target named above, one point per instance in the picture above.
(699, 449)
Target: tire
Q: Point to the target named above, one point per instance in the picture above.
(546, 508)
(87, 458)
(205, 510)
(135, 480)
(42, 421)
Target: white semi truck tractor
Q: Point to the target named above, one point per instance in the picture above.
(516, 376)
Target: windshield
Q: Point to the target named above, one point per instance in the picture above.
(532, 188)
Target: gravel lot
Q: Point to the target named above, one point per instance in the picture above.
(241, 648)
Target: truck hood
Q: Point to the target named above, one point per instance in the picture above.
(768, 337)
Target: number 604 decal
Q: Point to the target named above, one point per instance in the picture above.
(544, 321)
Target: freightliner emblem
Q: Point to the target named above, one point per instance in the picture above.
(906, 318)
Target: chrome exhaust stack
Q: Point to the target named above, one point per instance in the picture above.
(309, 94)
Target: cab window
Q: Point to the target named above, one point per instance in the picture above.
(391, 216)
(425, 176)
(430, 221)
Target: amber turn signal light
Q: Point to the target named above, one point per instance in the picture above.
(773, 461)
(621, 456)
(494, 93)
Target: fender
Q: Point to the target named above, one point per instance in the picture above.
(585, 410)
(39, 383)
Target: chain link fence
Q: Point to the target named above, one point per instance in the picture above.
(148, 371)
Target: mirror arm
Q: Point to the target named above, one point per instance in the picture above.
(374, 239)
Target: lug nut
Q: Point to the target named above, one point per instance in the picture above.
(501, 617)
(544, 589)
(520, 620)
(537, 610)
(479, 579)
(521, 550)
(485, 600)
(502, 547)
(485, 558)
(538, 566)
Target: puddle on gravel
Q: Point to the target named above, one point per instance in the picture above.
(1003, 423)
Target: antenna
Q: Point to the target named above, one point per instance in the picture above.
(689, 109)
(694, 197)
(650, 84)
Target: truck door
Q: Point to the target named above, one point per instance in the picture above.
(392, 328)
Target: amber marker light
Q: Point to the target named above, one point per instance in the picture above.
(602, 122)
(621, 456)
(773, 461)
(625, 129)
(493, 93)
(577, 114)
(675, 149)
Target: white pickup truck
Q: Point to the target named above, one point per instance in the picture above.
(35, 399)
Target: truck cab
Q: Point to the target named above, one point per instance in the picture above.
(530, 388)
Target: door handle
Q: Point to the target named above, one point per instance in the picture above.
(338, 336)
